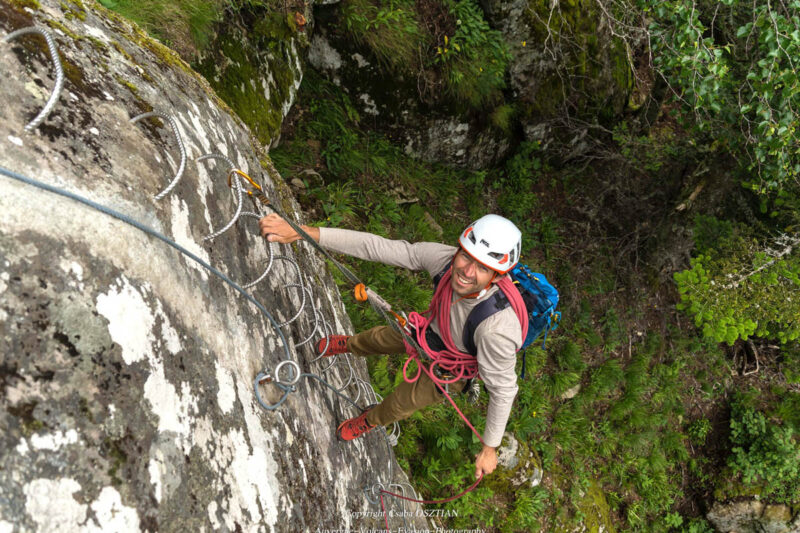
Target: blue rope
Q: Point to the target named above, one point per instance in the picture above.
(153, 233)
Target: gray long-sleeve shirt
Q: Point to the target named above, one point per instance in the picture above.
(497, 338)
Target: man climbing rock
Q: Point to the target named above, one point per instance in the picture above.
(466, 275)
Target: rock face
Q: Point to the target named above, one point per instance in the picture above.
(523, 465)
(752, 516)
(549, 39)
(126, 369)
(255, 65)
(393, 105)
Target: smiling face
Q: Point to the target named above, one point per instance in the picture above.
(469, 276)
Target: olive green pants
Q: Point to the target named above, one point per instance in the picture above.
(407, 397)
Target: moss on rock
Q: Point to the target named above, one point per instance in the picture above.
(596, 64)
(596, 511)
(73, 9)
(256, 72)
(22, 4)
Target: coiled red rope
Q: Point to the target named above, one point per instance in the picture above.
(459, 364)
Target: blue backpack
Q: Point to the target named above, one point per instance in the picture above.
(540, 298)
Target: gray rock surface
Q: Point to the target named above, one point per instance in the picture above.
(126, 370)
(752, 516)
(522, 462)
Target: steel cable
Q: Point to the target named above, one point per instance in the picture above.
(56, 93)
(174, 126)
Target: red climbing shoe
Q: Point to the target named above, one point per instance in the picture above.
(355, 427)
(335, 344)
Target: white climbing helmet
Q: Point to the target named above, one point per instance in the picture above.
(493, 241)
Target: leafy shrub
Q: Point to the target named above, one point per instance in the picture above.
(698, 431)
(764, 454)
(389, 28)
(732, 64)
(475, 57)
(744, 290)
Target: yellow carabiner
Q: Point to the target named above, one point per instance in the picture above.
(258, 195)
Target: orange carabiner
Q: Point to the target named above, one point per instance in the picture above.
(360, 292)
(245, 176)
(400, 320)
(259, 195)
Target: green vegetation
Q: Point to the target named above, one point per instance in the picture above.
(764, 454)
(448, 44)
(733, 87)
(732, 64)
(390, 29)
(475, 57)
(186, 26)
(735, 290)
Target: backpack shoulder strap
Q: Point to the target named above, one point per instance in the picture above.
(495, 303)
(438, 277)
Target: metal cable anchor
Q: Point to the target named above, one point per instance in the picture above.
(174, 126)
(53, 49)
(286, 387)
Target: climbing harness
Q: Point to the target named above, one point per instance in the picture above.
(287, 374)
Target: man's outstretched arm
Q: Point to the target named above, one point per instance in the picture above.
(419, 256)
(276, 229)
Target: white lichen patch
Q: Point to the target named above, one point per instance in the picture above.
(37, 92)
(42, 496)
(360, 60)
(22, 448)
(97, 33)
(51, 505)
(322, 55)
(76, 272)
(169, 335)
(53, 441)
(155, 468)
(226, 396)
(303, 470)
(182, 234)
(173, 409)
(111, 514)
(212, 516)
(130, 320)
(297, 71)
(248, 471)
(370, 107)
